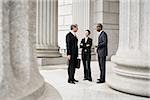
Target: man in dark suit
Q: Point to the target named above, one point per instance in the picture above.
(86, 44)
(72, 52)
(102, 52)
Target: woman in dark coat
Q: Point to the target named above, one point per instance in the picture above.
(86, 44)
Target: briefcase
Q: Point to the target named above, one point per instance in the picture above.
(78, 63)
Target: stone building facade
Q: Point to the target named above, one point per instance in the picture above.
(29, 29)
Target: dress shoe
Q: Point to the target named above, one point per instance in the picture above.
(90, 80)
(85, 79)
(98, 79)
(75, 80)
(100, 82)
(71, 82)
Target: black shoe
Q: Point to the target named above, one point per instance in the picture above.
(71, 82)
(100, 82)
(98, 79)
(90, 80)
(75, 80)
(85, 79)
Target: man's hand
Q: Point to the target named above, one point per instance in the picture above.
(81, 44)
(69, 57)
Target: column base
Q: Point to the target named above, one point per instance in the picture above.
(46, 92)
(104, 92)
(127, 82)
(48, 51)
(49, 55)
(51, 61)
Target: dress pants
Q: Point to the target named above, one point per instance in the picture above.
(86, 59)
(102, 66)
(71, 68)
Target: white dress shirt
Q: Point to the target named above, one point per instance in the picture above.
(100, 32)
(86, 38)
(73, 33)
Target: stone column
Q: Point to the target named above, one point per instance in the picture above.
(81, 15)
(47, 31)
(19, 75)
(132, 71)
(107, 13)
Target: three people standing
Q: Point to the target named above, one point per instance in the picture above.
(86, 44)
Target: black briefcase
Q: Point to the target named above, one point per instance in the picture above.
(78, 63)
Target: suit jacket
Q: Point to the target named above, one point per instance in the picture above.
(72, 45)
(102, 45)
(86, 46)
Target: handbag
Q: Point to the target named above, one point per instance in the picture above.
(78, 63)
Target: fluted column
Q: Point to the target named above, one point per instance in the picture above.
(82, 15)
(19, 75)
(47, 29)
(132, 71)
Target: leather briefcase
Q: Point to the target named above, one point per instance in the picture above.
(78, 63)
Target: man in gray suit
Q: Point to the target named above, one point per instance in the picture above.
(102, 52)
